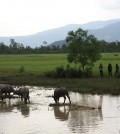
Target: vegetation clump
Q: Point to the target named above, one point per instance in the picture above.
(21, 69)
(68, 72)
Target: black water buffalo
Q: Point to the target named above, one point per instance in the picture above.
(23, 93)
(6, 89)
(1, 96)
(60, 92)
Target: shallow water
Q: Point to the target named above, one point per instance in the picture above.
(38, 118)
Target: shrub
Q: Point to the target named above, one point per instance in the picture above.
(73, 72)
(21, 69)
(68, 72)
(88, 72)
(59, 72)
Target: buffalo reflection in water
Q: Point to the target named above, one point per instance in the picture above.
(11, 104)
(61, 113)
(6, 107)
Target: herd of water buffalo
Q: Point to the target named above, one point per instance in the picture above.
(23, 92)
(6, 90)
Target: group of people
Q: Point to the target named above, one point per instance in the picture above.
(109, 70)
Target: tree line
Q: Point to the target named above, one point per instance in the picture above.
(19, 48)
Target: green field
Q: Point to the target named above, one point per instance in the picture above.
(33, 64)
(39, 63)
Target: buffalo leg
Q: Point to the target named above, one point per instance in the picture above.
(9, 96)
(28, 99)
(5, 95)
(21, 98)
(69, 98)
(58, 100)
(64, 99)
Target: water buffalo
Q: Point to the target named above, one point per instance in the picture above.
(6, 89)
(1, 96)
(60, 92)
(23, 93)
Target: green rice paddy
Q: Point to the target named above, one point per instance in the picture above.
(39, 63)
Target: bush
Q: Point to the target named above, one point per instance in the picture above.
(88, 72)
(118, 75)
(73, 72)
(68, 72)
(59, 72)
(21, 69)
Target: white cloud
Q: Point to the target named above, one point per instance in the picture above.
(110, 4)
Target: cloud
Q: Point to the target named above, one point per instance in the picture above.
(110, 4)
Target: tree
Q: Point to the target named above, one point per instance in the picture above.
(13, 46)
(82, 48)
(44, 43)
(3, 48)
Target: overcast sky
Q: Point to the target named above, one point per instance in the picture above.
(25, 17)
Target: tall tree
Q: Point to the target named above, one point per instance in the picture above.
(82, 48)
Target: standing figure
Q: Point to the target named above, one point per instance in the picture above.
(116, 70)
(109, 69)
(101, 69)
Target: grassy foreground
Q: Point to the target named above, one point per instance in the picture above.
(35, 65)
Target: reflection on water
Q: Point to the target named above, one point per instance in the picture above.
(37, 117)
(61, 113)
(12, 104)
(80, 121)
(24, 109)
(6, 107)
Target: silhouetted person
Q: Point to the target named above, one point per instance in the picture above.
(109, 69)
(116, 70)
(101, 69)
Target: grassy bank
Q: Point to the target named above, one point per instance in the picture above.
(29, 70)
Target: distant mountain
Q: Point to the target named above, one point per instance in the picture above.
(108, 33)
(58, 43)
(108, 30)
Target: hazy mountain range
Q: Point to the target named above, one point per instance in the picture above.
(108, 30)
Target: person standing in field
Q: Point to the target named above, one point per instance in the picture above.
(110, 70)
(101, 69)
(116, 70)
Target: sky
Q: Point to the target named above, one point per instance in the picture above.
(26, 17)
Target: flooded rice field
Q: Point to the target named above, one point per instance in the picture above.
(39, 118)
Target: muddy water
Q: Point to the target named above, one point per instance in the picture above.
(38, 118)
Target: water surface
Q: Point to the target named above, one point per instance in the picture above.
(38, 118)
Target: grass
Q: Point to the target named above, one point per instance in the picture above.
(29, 69)
(33, 64)
(39, 63)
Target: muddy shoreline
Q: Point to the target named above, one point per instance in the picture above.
(85, 85)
